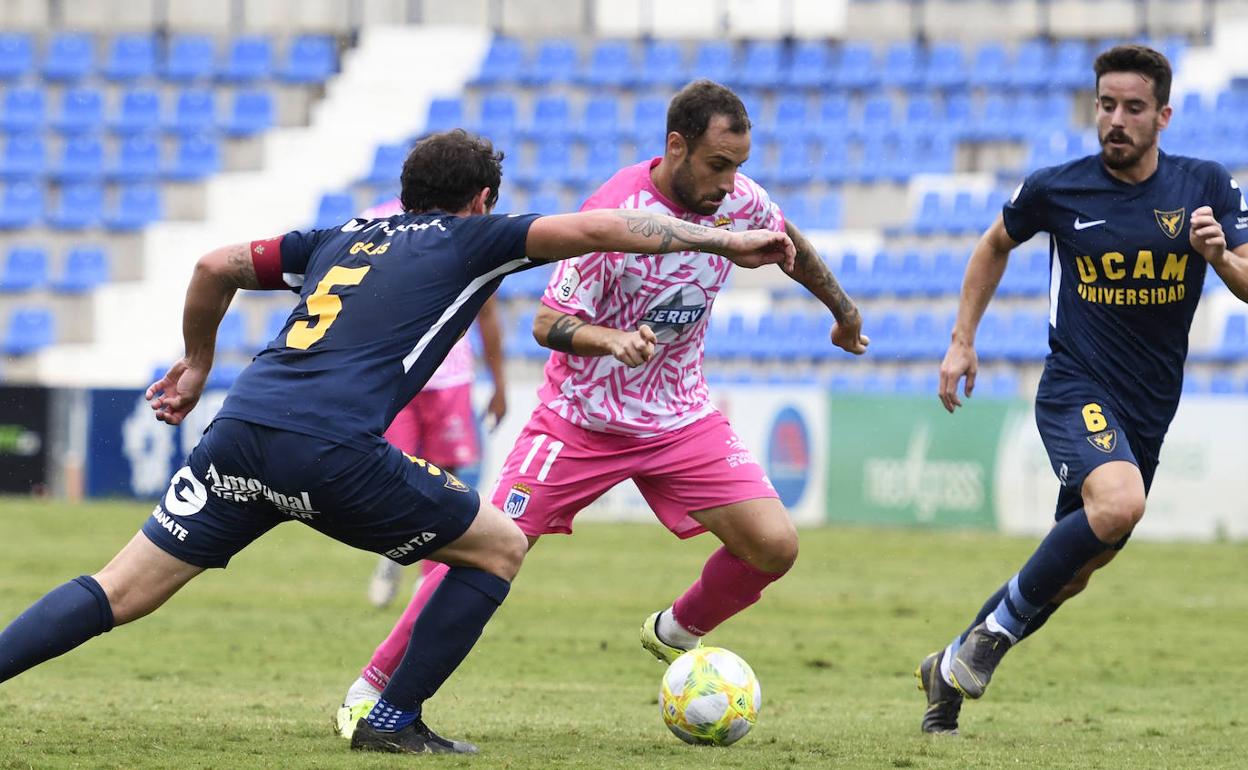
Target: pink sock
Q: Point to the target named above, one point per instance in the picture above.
(727, 586)
(388, 654)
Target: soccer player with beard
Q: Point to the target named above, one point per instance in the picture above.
(624, 396)
(1123, 226)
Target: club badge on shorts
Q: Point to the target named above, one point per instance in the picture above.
(517, 500)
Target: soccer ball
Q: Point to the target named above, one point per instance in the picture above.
(710, 696)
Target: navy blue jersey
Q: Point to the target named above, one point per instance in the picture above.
(1125, 279)
(381, 303)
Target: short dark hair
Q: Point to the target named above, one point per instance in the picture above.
(692, 108)
(444, 171)
(1137, 58)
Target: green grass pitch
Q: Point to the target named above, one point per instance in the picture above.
(244, 668)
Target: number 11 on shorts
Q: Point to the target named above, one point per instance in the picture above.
(552, 452)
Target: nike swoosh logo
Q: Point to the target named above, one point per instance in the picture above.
(1085, 225)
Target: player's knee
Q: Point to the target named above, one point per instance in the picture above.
(511, 552)
(1115, 516)
(776, 548)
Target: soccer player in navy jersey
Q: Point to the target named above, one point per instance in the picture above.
(300, 434)
(1131, 231)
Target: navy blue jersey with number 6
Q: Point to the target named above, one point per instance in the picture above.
(1125, 279)
(381, 303)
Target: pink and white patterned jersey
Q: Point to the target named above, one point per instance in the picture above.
(671, 293)
(457, 368)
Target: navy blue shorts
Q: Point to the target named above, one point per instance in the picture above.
(1082, 430)
(243, 479)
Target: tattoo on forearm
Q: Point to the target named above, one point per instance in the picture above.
(242, 269)
(560, 335)
(811, 271)
(674, 232)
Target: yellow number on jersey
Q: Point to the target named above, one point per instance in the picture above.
(1093, 418)
(323, 306)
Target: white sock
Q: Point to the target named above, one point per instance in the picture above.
(673, 633)
(944, 664)
(991, 623)
(359, 691)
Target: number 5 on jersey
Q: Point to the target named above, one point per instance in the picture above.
(323, 306)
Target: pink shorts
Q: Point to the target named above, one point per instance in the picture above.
(556, 469)
(438, 426)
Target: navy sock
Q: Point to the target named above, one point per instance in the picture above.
(442, 635)
(1068, 547)
(388, 718)
(64, 618)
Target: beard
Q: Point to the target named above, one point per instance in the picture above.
(686, 194)
(1121, 156)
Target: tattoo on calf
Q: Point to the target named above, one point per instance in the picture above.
(560, 335)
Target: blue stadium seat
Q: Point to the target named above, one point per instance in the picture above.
(498, 115)
(138, 159)
(551, 118)
(796, 209)
(197, 156)
(275, 322)
(927, 338)
(662, 65)
(519, 342)
(81, 206)
(554, 63)
(502, 64)
(17, 56)
(334, 209)
(24, 109)
(999, 384)
(252, 112)
(877, 116)
(81, 110)
(931, 218)
(713, 59)
(903, 65)
(223, 375)
(21, 205)
(811, 65)
(888, 334)
(139, 111)
(30, 329)
(796, 163)
(309, 59)
(829, 212)
(545, 203)
(194, 112)
(24, 157)
(25, 269)
(649, 123)
(131, 57)
(137, 206)
(387, 163)
(1032, 65)
(602, 160)
(1234, 342)
(991, 339)
(86, 267)
(761, 66)
(611, 65)
(1072, 65)
(856, 67)
(191, 58)
(947, 270)
(70, 57)
(991, 67)
(445, 113)
(232, 334)
(793, 120)
(1222, 384)
(551, 164)
(81, 159)
(250, 58)
(946, 69)
(599, 121)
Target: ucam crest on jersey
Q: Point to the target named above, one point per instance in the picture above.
(517, 500)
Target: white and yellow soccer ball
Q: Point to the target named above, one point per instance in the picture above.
(710, 696)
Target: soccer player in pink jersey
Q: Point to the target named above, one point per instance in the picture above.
(438, 424)
(624, 386)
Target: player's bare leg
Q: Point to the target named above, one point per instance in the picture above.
(140, 578)
(482, 562)
(760, 545)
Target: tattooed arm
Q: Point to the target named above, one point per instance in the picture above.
(810, 271)
(569, 334)
(218, 274)
(639, 232)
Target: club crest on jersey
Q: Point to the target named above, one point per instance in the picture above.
(1170, 222)
(454, 483)
(1104, 441)
(517, 500)
(723, 220)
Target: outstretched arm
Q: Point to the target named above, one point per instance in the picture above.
(811, 271)
(563, 236)
(983, 273)
(218, 274)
